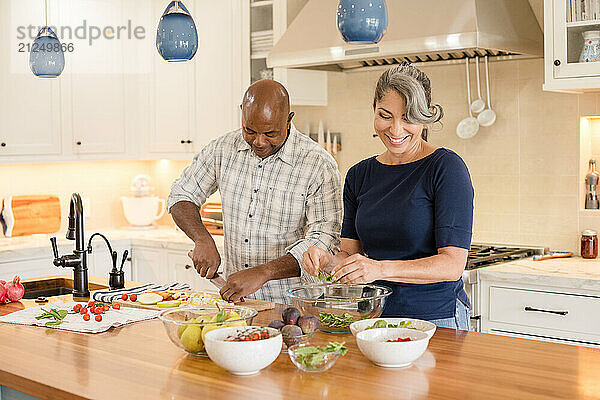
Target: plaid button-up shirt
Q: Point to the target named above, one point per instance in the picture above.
(282, 204)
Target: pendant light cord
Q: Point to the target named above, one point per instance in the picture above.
(46, 1)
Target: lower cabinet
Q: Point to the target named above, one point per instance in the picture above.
(37, 265)
(149, 265)
(183, 271)
(162, 266)
(554, 314)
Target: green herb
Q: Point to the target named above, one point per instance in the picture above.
(401, 324)
(57, 315)
(336, 321)
(326, 278)
(315, 357)
(221, 316)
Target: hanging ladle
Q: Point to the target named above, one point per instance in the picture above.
(468, 127)
(487, 116)
(478, 105)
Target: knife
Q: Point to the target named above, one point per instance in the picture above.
(216, 280)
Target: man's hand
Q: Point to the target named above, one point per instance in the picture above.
(206, 258)
(243, 283)
(316, 259)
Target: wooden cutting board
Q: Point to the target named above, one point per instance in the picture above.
(258, 305)
(28, 215)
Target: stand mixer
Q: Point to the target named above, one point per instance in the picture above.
(142, 209)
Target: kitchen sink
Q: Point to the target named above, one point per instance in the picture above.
(52, 287)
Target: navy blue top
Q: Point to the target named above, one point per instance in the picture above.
(406, 212)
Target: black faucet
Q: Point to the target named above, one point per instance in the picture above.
(77, 260)
(116, 279)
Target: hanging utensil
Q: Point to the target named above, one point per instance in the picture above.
(487, 116)
(468, 127)
(478, 105)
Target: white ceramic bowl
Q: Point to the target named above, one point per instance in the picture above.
(373, 344)
(416, 324)
(242, 358)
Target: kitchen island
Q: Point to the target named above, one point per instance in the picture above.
(138, 361)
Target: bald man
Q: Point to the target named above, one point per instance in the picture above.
(281, 194)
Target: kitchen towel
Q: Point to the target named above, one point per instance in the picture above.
(108, 296)
(75, 322)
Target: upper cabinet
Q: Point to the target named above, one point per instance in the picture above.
(565, 26)
(117, 98)
(268, 20)
(191, 103)
(93, 101)
(30, 108)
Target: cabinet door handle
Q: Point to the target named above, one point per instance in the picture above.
(188, 266)
(183, 142)
(188, 141)
(557, 62)
(78, 143)
(546, 311)
(3, 144)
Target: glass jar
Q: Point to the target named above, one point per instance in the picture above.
(589, 244)
(591, 47)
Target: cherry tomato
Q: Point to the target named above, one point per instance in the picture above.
(98, 318)
(77, 308)
(116, 306)
(106, 307)
(90, 303)
(83, 310)
(133, 297)
(124, 296)
(264, 335)
(86, 317)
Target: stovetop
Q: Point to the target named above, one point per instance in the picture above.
(483, 255)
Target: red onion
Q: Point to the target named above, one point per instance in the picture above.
(2, 293)
(14, 289)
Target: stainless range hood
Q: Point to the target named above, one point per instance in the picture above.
(418, 31)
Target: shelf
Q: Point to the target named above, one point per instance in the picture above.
(583, 23)
(261, 3)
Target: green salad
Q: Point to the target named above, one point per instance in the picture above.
(315, 357)
(402, 324)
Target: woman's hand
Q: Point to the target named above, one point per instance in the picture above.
(358, 269)
(316, 259)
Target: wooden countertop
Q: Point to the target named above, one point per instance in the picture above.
(138, 361)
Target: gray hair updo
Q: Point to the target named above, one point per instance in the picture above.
(415, 86)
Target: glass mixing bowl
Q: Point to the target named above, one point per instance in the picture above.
(187, 326)
(337, 305)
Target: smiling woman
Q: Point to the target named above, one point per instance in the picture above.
(408, 213)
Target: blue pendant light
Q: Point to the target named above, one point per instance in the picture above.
(47, 59)
(176, 36)
(362, 21)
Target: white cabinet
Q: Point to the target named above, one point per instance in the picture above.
(94, 82)
(183, 271)
(37, 264)
(117, 98)
(563, 42)
(163, 265)
(555, 314)
(193, 102)
(148, 265)
(30, 109)
(306, 88)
